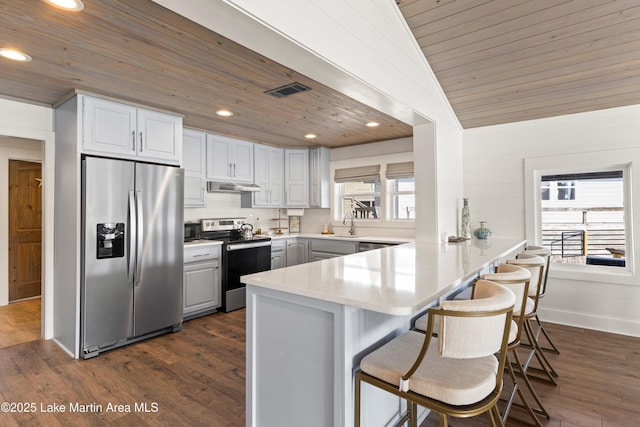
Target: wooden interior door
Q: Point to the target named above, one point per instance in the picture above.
(25, 229)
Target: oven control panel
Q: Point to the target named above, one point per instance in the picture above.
(218, 224)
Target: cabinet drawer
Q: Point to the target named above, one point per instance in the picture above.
(278, 244)
(201, 253)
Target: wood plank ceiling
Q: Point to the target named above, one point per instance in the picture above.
(502, 61)
(140, 52)
(498, 61)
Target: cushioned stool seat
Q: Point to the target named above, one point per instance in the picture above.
(453, 381)
(456, 374)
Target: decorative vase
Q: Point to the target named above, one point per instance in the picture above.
(465, 231)
(482, 232)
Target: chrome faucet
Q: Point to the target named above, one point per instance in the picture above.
(352, 229)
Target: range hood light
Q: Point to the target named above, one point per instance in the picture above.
(230, 187)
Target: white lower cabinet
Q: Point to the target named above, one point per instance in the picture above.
(297, 251)
(278, 253)
(202, 280)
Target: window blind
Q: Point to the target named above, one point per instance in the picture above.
(399, 170)
(362, 173)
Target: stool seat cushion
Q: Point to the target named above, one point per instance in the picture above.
(452, 381)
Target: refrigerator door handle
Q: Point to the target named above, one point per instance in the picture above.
(139, 235)
(133, 225)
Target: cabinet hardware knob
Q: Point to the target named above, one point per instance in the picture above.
(133, 140)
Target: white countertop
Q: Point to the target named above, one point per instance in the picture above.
(398, 280)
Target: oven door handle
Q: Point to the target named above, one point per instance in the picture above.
(239, 246)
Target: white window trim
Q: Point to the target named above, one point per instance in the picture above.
(625, 159)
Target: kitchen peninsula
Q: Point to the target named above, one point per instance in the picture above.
(309, 325)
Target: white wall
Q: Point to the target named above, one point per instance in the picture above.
(227, 205)
(22, 120)
(494, 181)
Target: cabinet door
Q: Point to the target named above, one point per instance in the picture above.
(219, 157)
(319, 181)
(296, 176)
(159, 137)
(261, 175)
(276, 176)
(277, 260)
(296, 252)
(194, 163)
(242, 161)
(108, 127)
(314, 177)
(201, 287)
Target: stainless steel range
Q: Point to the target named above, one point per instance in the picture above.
(240, 255)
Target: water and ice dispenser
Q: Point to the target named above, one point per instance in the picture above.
(110, 241)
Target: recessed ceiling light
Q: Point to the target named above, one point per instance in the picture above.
(15, 55)
(311, 136)
(373, 124)
(71, 5)
(224, 113)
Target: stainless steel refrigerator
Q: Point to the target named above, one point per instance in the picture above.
(132, 265)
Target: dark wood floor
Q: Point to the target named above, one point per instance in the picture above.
(197, 377)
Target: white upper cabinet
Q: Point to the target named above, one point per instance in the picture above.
(268, 175)
(160, 136)
(194, 162)
(229, 159)
(121, 130)
(319, 178)
(296, 177)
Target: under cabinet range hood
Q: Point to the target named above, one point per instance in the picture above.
(230, 187)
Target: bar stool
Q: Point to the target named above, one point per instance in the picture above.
(546, 254)
(456, 374)
(518, 280)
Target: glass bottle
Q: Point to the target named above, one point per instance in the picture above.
(465, 231)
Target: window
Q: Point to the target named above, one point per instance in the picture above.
(585, 224)
(401, 190)
(361, 199)
(367, 195)
(360, 191)
(566, 190)
(545, 188)
(403, 198)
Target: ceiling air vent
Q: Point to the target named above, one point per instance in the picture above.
(286, 90)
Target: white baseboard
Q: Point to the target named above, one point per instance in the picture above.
(614, 325)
